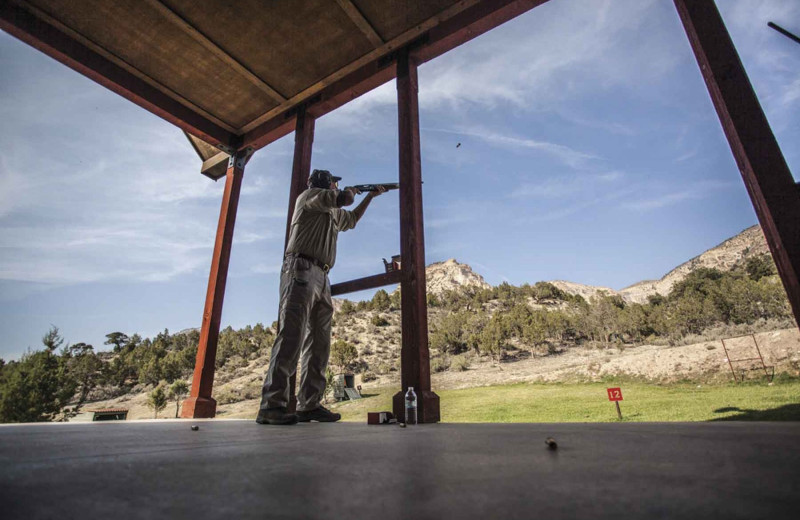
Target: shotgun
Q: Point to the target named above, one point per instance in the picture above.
(374, 187)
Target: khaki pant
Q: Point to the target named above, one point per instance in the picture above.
(304, 320)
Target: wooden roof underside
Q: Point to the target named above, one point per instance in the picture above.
(234, 73)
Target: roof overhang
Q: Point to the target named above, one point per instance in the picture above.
(234, 74)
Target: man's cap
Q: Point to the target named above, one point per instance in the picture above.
(322, 179)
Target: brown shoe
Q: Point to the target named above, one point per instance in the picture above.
(278, 416)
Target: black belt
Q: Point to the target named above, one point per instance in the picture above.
(325, 267)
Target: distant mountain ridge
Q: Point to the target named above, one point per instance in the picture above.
(725, 256)
(453, 275)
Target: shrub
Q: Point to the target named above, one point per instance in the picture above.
(758, 267)
(381, 301)
(460, 363)
(379, 321)
(227, 396)
(347, 308)
(343, 354)
(367, 377)
(157, 400)
(440, 364)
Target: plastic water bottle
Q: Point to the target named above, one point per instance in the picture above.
(411, 406)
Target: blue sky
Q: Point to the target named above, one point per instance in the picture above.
(590, 151)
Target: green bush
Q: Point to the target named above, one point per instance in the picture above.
(440, 364)
(460, 363)
(227, 396)
(347, 308)
(381, 301)
(379, 321)
(343, 354)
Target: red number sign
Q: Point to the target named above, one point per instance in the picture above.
(614, 394)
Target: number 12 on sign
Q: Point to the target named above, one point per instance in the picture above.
(615, 394)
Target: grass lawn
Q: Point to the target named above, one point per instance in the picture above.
(589, 402)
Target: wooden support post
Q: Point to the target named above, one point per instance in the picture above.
(415, 363)
(301, 165)
(301, 169)
(766, 175)
(200, 403)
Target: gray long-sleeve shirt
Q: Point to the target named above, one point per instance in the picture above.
(316, 224)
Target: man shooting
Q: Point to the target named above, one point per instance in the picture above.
(306, 309)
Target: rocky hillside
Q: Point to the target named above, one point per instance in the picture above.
(532, 346)
(732, 252)
(586, 291)
(451, 275)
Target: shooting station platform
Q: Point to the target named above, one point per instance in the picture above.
(239, 469)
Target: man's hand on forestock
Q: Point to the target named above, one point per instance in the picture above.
(374, 194)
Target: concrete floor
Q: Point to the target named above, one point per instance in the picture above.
(238, 469)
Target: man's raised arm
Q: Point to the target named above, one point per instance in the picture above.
(361, 208)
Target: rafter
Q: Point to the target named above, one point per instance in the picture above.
(366, 62)
(361, 22)
(215, 49)
(455, 25)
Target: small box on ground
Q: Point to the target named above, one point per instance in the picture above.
(380, 417)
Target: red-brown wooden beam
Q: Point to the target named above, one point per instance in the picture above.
(301, 169)
(468, 24)
(472, 22)
(200, 403)
(414, 357)
(58, 45)
(766, 175)
(301, 164)
(368, 282)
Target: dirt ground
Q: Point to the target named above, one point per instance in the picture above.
(706, 362)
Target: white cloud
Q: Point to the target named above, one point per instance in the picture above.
(556, 51)
(566, 185)
(12, 185)
(771, 60)
(581, 205)
(565, 154)
(697, 191)
(137, 210)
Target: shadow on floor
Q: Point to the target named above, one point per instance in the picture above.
(787, 412)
